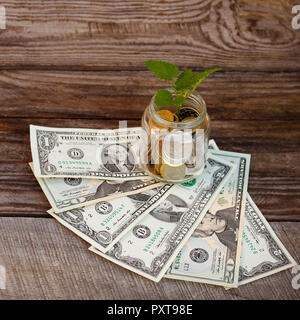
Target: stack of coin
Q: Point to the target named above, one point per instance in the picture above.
(171, 151)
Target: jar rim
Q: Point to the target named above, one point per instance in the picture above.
(200, 104)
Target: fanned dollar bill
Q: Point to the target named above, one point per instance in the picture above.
(104, 223)
(263, 254)
(71, 193)
(212, 254)
(151, 246)
(86, 153)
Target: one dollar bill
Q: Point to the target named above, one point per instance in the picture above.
(263, 254)
(70, 193)
(151, 246)
(104, 223)
(212, 254)
(86, 153)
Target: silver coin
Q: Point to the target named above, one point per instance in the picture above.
(173, 173)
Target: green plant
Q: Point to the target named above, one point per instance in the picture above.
(186, 83)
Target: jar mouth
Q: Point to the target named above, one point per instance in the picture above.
(194, 102)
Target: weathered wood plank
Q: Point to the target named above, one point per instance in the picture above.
(44, 260)
(277, 197)
(78, 34)
(125, 94)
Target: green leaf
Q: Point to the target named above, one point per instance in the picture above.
(178, 101)
(164, 98)
(199, 77)
(163, 70)
(185, 80)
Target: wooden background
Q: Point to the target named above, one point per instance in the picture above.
(79, 63)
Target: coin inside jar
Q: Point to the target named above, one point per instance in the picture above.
(177, 148)
(173, 173)
(166, 114)
(188, 119)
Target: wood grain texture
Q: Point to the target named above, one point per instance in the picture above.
(80, 63)
(44, 260)
(89, 35)
(125, 94)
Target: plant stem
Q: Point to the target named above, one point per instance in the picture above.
(178, 111)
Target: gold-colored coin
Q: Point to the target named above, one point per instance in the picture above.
(151, 168)
(166, 114)
(188, 119)
(156, 126)
(157, 169)
(156, 151)
(173, 173)
(153, 125)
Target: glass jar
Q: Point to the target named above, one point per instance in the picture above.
(174, 151)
